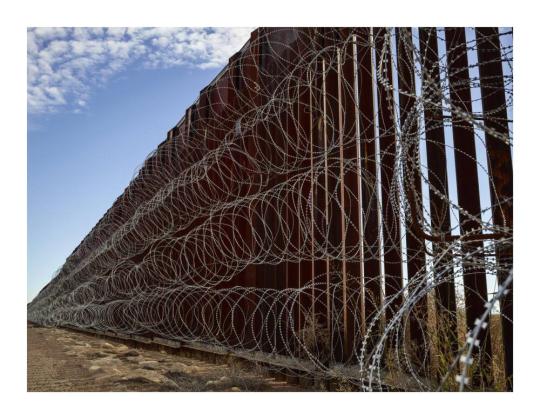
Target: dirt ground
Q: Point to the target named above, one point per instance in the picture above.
(63, 360)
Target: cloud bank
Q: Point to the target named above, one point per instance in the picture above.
(65, 64)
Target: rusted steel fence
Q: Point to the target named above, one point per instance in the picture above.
(338, 202)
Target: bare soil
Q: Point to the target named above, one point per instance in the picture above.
(64, 360)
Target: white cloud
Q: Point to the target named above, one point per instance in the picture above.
(64, 64)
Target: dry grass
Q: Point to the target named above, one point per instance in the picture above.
(317, 338)
(444, 336)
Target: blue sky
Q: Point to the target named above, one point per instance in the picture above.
(99, 101)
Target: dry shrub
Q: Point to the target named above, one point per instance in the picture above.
(316, 338)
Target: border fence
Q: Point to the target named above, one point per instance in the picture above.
(338, 202)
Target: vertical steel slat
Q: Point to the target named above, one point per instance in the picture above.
(358, 215)
(415, 245)
(500, 169)
(304, 219)
(445, 294)
(393, 276)
(320, 292)
(474, 279)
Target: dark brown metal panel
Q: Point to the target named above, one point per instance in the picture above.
(246, 278)
(500, 169)
(281, 215)
(263, 320)
(275, 139)
(303, 212)
(264, 271)
(266, 275)
(333, 140)
(250, 77)
(324, 133)
(320, 292)
(290, 227)
(229, 222)
(298, 126)
(372, 272)
(349, 178)
(474, 279)
(320, 318)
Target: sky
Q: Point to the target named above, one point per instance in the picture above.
(99, 101)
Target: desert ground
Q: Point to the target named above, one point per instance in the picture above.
(65, 360)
